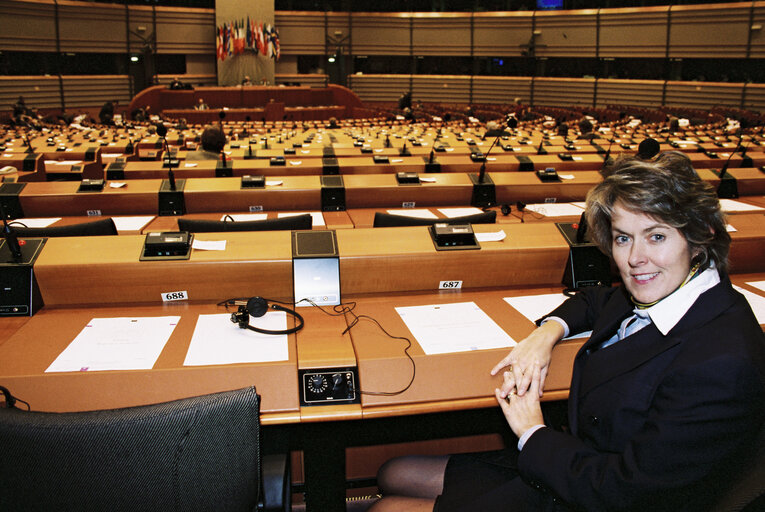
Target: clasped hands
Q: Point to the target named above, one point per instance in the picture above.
(524, 372)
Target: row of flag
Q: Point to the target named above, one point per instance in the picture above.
(236, 37)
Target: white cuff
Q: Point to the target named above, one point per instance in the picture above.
(526, 435)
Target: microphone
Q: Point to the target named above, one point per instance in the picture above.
(608, 154)
(10, 236)
(162, 132)
(223, 158)
(724, 168)
(510, 122)
(431, 157)
(648, 149)
(540, 149)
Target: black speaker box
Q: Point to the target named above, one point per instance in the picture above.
(19, 293)
(586, 264)
(332, 194)
(171, 202)
(9, 197)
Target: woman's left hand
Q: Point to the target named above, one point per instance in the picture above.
(523, 412)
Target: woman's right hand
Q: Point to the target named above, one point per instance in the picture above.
(536, 348)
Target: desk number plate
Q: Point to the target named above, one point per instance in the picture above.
(171, 296)
(450, 285)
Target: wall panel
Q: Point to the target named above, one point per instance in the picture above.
(493, 89)
(564, 91)
(381, 34)
(379, 87)
(501, 34)
(754, 98)
(300, 33)
(304, 80)
(566, 33)
(38, 91)
(92, 27)
(710, 31)
(94, 91)
(639, 93)
(27, 26)
(703, 95)
(633, 32)
(185, 30)
(429, 30)
(757, 49)
(441, 88)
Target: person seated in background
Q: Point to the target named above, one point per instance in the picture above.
(333, 122)
(585, 130)
(176, 84)
(666, 395)
(246, 80)
(563, 129)
(213, 141)
(201, 105)
(493, 129)
(106, 114)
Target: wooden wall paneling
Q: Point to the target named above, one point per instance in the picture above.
(204, 79)
(639, 93)
(300, 33)
(441, 34)
(754, 98)
(757, 43)
(633, 32)
(441, 88)
(564, 91)
(181, 30)
(94, 91)
(92, 27)
(709, 31)
(141, 24)
(492, 89)
(501, 34)
(381, 34)
(566, 33)
(27, 26)
(38, 91)
(703, 95)
(315, 80)
(379, 87)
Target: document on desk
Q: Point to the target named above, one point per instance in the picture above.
(457, 327)
(218, 341)
(127, 343)
(422, 213)
(132, 223)
(535, 307)
(317, 218)
(34, 223)
(555, 209)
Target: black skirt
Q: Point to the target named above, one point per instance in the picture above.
(488, 481)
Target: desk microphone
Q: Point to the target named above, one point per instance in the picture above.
(162, 132)
(223, 157)
(608, 153)
(10, 236)
(581, 230)
(482, 171)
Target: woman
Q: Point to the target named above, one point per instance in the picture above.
(666, 396)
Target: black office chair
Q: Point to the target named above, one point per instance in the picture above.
(386, 220)
(102, 227)
(193, 454)
(304, 221)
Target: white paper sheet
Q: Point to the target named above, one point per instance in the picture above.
(756, 302)
(760, 285)
(216, 340)
(133, 223)
(535, 307)
(36, 222)
(555, 209)
(422, 213)
(125, 343)
(497, 236)
(459, 212)
(457, 327)
(317, 218)
(729, 205)
(244, 217)
(208, 245)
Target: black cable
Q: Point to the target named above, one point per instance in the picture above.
(341, 310)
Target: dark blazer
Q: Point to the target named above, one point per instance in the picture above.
(658, 422)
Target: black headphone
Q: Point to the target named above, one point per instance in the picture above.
(10, 400)
(257, 307)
